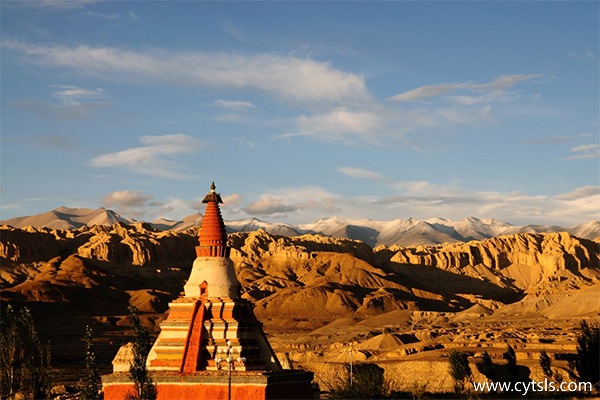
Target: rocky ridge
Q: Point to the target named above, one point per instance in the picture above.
(527, 260)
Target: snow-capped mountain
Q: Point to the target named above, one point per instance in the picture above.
(587, 230)
(404, 232)
(409, 231)
(190, 221)
(68, 218)
(254, 224)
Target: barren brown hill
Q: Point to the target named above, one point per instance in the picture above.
(310, 291)
(533, 263)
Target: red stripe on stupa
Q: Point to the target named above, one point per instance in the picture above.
(191, 358)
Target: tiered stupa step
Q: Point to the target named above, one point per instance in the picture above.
(195, 330)
(171, 348)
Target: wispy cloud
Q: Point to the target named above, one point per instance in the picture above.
(72, 103)
(396, 121)
(72, 95)
(515, 207)
(61, 112)
(385, 124)
(494, 87)
(339, 124)
(132, 17)
(238, 105)
(235, 32)
(580, 193)
(55, 4)
(245, 142)
(555, 139)
(360, 173)
(286, 77)
(102, 16)
(154, 158)
(585, 152)
(425, 188)
(585, 55)
(129, 16)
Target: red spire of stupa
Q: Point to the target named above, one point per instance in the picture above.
(213, 236)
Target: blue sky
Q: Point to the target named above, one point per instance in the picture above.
(303, 110)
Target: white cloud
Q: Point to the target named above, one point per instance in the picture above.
(141, 206)
(465, 100)
(103, 16)
(232, 200)
(555, 139)
(268, 205)
(55, 4)
(586, 55)
(424, 188)
(584, 152)
(73, 103)
(339, 124)
(457, 115)
(286, 77)
(71, 95)
(428, 91)
(129, 204)
(386, 124)
(237, 105)
(425, 200)
(494, 87)
(153, 158)
(245, 142)
(580, 193)
(132, 17)
(129, 15)
(379, 123)
(126, 198)
(360, 173)
(284, 202)
(504, 82)
(63, 112)
(172, 208)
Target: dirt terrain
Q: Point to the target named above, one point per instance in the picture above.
(322, 300)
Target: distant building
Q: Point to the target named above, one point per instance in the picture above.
(211, 346)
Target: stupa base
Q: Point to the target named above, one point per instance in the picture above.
(214, 385)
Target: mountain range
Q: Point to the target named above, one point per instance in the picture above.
(403, 232)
